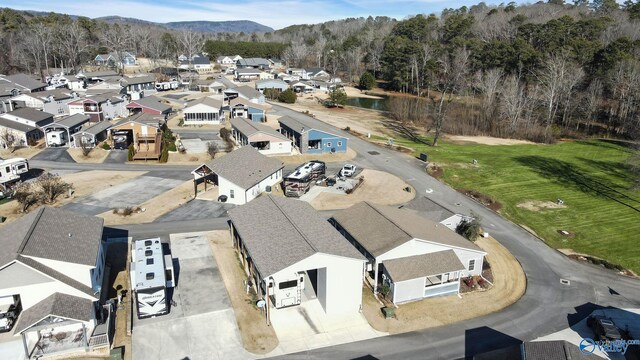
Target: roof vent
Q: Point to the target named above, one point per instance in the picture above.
(70, 235)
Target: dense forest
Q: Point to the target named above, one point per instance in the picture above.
(537, 71)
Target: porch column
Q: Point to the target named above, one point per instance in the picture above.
(233, 239)
(195, 187)
(86, 339)
(24, 343)
(375, 280)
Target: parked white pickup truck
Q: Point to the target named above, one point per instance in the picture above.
(348, 170)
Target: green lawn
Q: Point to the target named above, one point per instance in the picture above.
(590, 176)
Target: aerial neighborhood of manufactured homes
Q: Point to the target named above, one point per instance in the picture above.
(421, 183)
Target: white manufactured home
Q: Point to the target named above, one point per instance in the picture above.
(412, 255)
(242, 175)
(151, 276)
(292, 255)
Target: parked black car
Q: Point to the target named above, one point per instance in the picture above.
(603, 328)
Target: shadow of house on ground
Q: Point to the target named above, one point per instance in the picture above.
(573, 176)
(485, 339)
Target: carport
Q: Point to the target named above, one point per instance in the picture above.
(70, 125)
(203, 174)
(286, 246)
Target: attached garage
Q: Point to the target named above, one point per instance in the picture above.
(289, 250)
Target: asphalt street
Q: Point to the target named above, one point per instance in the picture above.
(547, 306)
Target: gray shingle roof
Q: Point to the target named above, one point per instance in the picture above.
(430, 209)
(200, 60)
(247, 92)
(25, 81)
(552, 350)
(248, 71)
(272, 83)
(31, 114)
(58, 304)
(279, 232)
(143, 79)
(96, 129)
(15, 125)
(72, 121)
(248, 128)
(380, 228)
(253, 62)
(247, 103)
(142, 118)
(150, 102)
(206, 101)
(45, 234)
(245, 167)
(412, 267)
(292, 124)
(57, 94)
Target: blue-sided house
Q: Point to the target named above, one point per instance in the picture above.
(309, 140)
(244, 108)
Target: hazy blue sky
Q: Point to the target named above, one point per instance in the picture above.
(274, 13)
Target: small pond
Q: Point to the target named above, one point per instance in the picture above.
(373, 104)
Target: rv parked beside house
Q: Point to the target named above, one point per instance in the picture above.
(289, 250)
(152, 275)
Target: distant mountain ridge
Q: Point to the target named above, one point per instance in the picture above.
(234, 26)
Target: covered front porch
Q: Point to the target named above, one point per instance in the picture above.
(417, 277)
(204, 175)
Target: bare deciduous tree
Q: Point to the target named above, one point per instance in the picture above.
(488, 83)
(212, 149)
(85, 147)
(451, 77)
(9, 139)
(73, 42)
(116, 39)
(26, 195)
(52, 186)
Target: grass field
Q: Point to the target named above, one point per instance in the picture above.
(590, 176)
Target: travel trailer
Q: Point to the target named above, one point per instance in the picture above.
(11, 169)
(288, 292)
(57, 138)
(9, 310)
(303, 177)
(151, 275)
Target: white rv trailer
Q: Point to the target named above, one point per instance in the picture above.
(287, 292)
(303, 177)
(56, 138)
(11, 169)
(151, 275)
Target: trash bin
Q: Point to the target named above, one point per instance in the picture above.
(424, 157)
(222, 198)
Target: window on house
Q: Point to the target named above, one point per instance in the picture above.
(328, 144)
(150, 276)
(148, 252)
(150, 261)
(231, 194)
(339, 143)
(472, 264)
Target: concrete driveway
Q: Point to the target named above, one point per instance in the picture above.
(307, 326)
(203, 324)
(130, 193)
(12, 348)
(116, 157)
(197, 209)
(58, 154)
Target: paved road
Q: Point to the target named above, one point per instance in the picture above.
(58, 154)
(546, 307)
